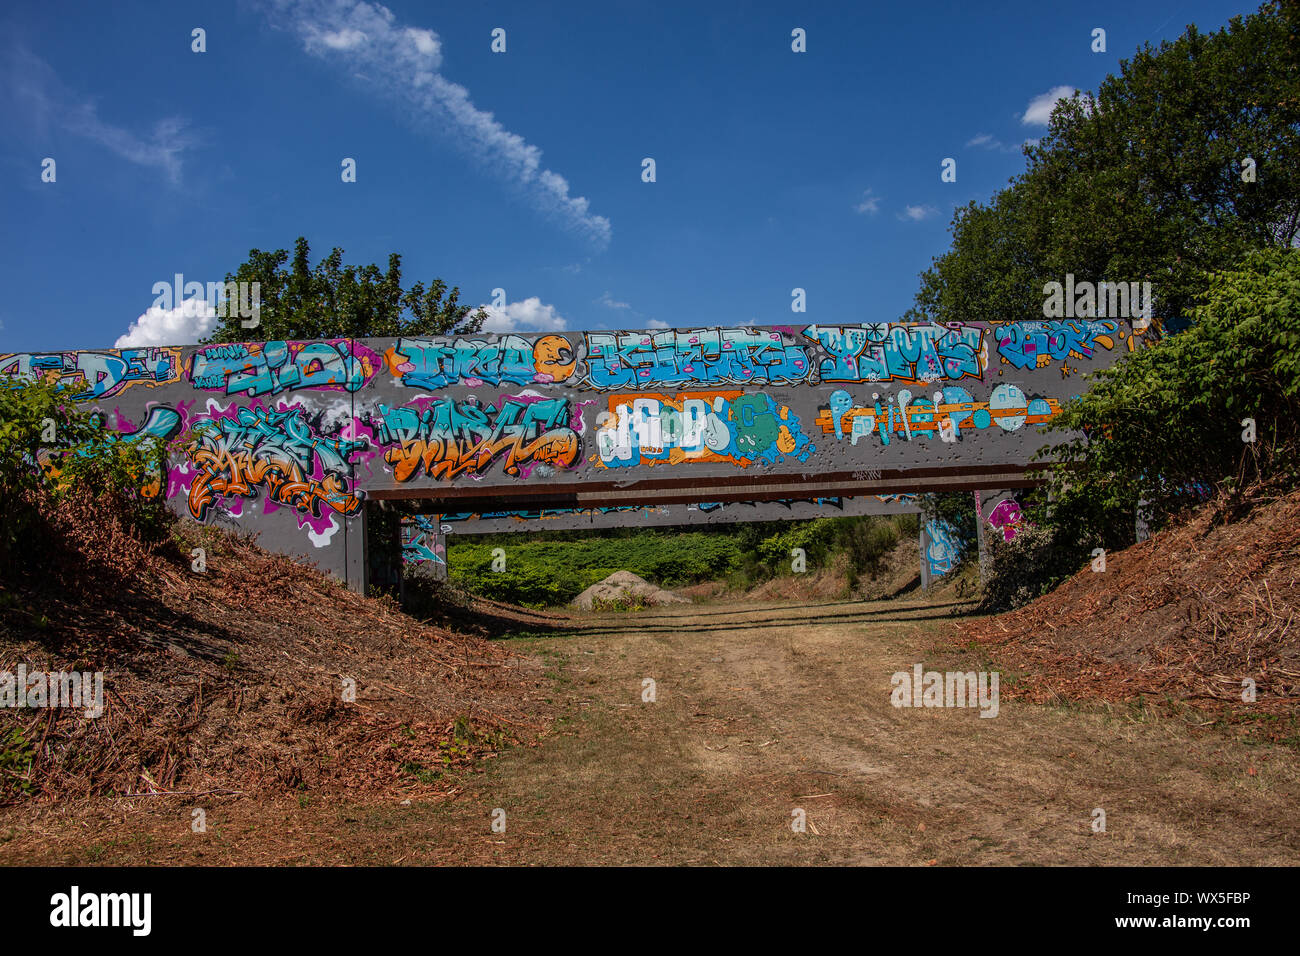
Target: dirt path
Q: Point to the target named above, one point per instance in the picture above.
(760, 712)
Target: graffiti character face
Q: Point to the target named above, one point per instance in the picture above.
(553, 358)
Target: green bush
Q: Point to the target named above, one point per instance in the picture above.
(814, 537)
(867, 543)
(541, 573)
(1163, 429)
(52, 451)
(1164, 426)
(37, 423)
(16, 756)
(555, 570)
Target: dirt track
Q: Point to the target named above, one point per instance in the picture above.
(759, 713)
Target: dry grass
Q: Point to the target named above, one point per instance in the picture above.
(233, 680)
(1185, 616)
(226, 700)
(760, 711)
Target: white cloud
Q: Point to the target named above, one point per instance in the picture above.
(527, 315)
(343, 39)
(51, 102)
(426, 41)
(403, 63)
(183, 325)
(917, 213)
(610, 302)
(1039, 110)
(657, 324)
(869, 205)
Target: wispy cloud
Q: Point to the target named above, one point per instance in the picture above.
(990, 142)
(610, 302)
(1039, 110)
(869, 205)
(916, 213)
(36, 86)
(403, 63)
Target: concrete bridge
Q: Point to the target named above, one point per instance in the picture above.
(306, 442)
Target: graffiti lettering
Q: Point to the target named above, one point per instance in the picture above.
(422, 541)
(273, 367)
(735, 427)
(425, 363)
(899, 352)
(1028, 345)
(97, 375)
(237, 451)
(444, 438)
(704, 356)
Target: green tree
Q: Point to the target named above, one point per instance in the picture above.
(991, 273)
(299, 301)
(1165, 425)
(1142, 181)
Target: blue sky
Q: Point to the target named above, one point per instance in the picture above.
(522, 170)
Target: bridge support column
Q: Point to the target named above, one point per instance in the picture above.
(923, 542)
(985, 559)
(355, 552)
(423, 546)
(938, 549)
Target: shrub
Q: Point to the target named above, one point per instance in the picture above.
(1164, 425)
(866, 544)
(1032, 563)
(57, 460)
(542, 573)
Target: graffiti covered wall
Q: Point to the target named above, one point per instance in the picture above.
(290, 439)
